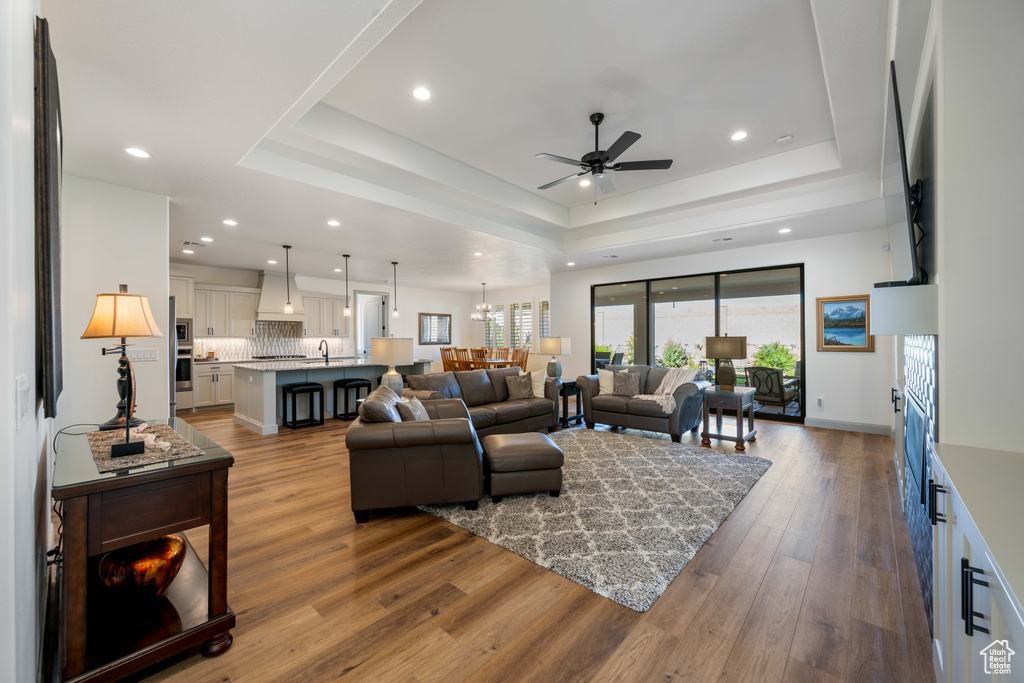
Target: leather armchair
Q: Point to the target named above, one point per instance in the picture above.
(399, 464)
(623, 411)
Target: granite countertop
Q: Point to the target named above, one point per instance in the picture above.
(291, 365)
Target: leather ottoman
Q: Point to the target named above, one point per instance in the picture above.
(523, 463)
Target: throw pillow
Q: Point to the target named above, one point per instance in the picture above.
(627, 383)
(519, 386)
(379, 406)
(538, 378)
(412, 411)
(606, 382)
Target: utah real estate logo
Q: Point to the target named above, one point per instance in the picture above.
(997, 656)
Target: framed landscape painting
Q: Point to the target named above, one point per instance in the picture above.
(844, 323)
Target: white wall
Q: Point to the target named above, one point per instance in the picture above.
(507, 296)
(411, 302)
(24, 465)
(855, 386)
(112, 235)
(979, 205)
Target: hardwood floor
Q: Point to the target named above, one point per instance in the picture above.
(811, 578)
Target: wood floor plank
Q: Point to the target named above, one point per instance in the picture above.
(410, 597)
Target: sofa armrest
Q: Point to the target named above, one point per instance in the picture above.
(552, 389)
(589, 388)
(380, 435)
(689, 407)
(444, 408)
(423, 394)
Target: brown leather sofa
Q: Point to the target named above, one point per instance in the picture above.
(626, 411)
(485, 394)
(398, 464)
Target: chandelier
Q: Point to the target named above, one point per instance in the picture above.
(484, 311)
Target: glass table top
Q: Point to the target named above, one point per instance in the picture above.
(75, 464)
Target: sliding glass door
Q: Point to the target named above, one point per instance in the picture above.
(666, 322)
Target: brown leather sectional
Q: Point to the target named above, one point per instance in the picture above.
(485, 394)
(627, 411)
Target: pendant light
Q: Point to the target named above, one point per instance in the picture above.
(483, 311)
(394, 267)
(348, 311)
(287, 281)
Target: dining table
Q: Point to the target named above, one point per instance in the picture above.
(487, 363)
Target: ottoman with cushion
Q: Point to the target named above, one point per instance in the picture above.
(523, 463)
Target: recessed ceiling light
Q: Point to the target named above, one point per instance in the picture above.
(585, 182)
(478, 253)
(571, 263)
(337, 270)
(136, 152)
(273, 263)
(187, 251)
(784, 140)
(206, 239)
(675, 288)
(783, 231)
(739, 135)
(611, 256)
(228, 221)
(421, 93)
(333, 224)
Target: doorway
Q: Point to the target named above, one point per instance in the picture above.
(371, 320)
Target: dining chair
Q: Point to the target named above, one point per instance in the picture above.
(519, 357)
(448, 358)
(463, 360)
(501, 352)
(479, 355)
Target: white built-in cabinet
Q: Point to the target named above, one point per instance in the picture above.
(224, 312)
(212, 385)
(967, 556)
(242, 313)
(325, 317)
(183, 290)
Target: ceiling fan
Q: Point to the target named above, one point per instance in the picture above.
(600, 161)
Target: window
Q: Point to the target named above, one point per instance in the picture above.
(435, 328)
(521, 323)
(494, 330)
(683, 311)
(620, 322)
(544, 321)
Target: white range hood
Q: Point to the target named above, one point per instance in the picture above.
(274, 296)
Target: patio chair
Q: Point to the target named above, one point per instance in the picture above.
(770, 389)
(602, 358)
(617, 359)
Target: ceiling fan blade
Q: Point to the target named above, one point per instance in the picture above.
(605, 183)
(624, 142)
(555, 157)
(658, 165)
(562, 180)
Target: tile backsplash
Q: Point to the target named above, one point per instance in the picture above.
(273, 339)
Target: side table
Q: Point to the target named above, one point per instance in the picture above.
(736, 399)
(568, 389)
(104, 638)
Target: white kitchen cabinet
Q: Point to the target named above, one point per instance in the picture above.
(325, 317)
(213, 385)
(978, 532)
(242, 312)
(183, 290)
(211, 318)
(341, 321)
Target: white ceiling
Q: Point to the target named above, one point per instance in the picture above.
(283, 115)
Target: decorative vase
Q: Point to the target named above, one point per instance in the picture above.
(144, 569)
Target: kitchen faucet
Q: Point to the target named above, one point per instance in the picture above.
(323, 347)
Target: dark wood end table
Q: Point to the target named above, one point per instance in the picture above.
(738, 399)
(104, 638)
(568, 389)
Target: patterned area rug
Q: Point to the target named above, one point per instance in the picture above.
(632, 513)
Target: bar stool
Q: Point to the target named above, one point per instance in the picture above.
(343, 385)
(310, 389)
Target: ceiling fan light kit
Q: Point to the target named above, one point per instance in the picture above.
(599, 162)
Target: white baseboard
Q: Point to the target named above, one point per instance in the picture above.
(248, 423)
(841, 425)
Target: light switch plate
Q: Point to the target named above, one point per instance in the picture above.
(22, 400)
(143, 355)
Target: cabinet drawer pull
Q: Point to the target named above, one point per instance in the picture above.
(933, 497)
(967, 584)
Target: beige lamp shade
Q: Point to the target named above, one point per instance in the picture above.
(391, 350)
(732, 348)
(121, 315)
(554, 346)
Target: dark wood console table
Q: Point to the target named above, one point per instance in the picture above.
(736, 399)
(104, 639)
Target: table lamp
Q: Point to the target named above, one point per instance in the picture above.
(555, 346)
(122, 315)
(391, 351)
(726, 349)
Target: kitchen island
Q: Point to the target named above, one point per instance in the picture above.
(259, 405)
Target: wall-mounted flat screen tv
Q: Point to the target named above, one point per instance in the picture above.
(901, 198)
